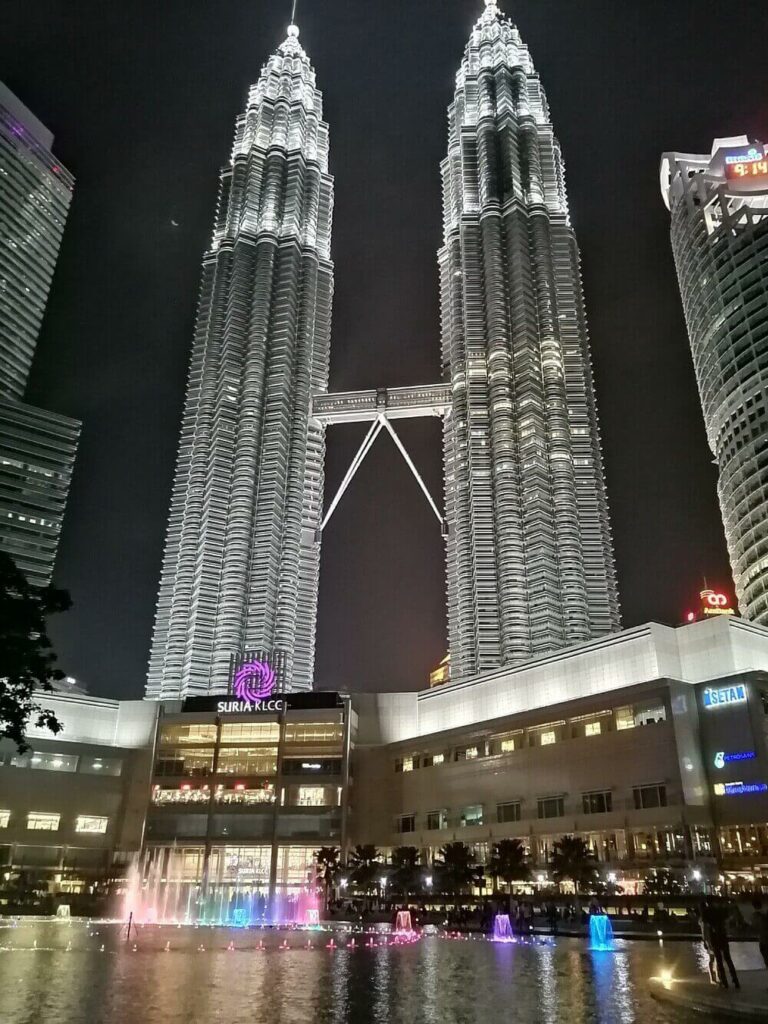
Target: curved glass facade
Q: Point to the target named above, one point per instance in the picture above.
(719, 236)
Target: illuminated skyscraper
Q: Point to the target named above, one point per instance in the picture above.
(719, 207)
(241, 564)
(37, 447)
(530, 560)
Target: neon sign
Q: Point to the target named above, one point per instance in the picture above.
(714, 698)
(744, 157)
(740, 788)
(722, 758)
(254, 681)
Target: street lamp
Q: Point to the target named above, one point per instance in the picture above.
(612, 877)
(383, 882)
(428, 881)
(541, 879)
(696, 875)
(343, 883)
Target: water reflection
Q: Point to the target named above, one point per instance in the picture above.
(67, 979)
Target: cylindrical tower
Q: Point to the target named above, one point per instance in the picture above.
(719, 230)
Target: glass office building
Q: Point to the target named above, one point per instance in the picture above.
(719, 228)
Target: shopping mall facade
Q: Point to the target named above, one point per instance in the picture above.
(650, 743)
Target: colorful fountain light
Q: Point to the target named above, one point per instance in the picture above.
(254, 681)
(601, 933)
(313, 917)
(502, 929)
(404, 930)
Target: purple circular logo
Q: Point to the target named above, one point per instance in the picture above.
(254, 681)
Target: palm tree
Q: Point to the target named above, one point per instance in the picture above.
(365, 863)
(509, 861)
(327, 869)
(405, 862)
(572, 859)
(457, 869)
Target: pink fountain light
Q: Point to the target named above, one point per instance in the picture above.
(254, 681)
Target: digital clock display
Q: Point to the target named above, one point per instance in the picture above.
(746, 164)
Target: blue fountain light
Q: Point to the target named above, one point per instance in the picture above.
(601, 933)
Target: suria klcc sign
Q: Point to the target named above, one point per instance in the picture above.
(252, 687)
(716, 697)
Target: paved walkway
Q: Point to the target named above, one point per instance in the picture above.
(748, 1003)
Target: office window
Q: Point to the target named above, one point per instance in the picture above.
(551, 807)
(597, 803)
(253, 732)
(46, 760)
(247, 761)
(466, 753)
(507, 746)
(650, 796)
(311, 796)
(592, 729)
(408, 764)
(435, 759)
(41, 821)
(509, 811)
(193, 733)
(406, 823)
(437, 820)
(649, 714)
(548, 737)
(313, 732)
(88, 823)
(472, 815)
(101, 766)
(5, 817)
(625, 718)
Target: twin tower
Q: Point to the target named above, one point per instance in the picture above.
(528, 546)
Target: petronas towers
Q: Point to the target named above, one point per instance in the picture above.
(242, 560)
(530, 564)
(529, 554)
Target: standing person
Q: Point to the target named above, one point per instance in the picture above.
(720, 944)
(705, 924)
(760, 918)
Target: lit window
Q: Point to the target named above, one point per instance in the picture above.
(592, 729)
(5, 817)
(101, 766)
(44, 822)
(472, 815)
(438, 758)
(46, 760)
(87, 823)
(311, 796)
(625, 718)
(407, 764)
(548, 737)
(507, 746)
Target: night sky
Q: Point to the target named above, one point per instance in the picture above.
(142, 98)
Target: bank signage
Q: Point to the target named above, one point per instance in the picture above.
(740, 788)
(724, 757)
(715, 697)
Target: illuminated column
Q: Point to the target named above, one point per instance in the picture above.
(241, 564)
(719, 228)
(530, 560)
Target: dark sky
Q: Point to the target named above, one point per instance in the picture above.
(142, 98)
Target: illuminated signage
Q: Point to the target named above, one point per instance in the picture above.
(740, 788)
(248, 707)
(255, 680)
(714, 698)
(311, 766)
(745, 164)
(713, 603)
(722, 757)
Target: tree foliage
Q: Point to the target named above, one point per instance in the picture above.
(457, 870)
(27, 661)
(405, 869)
(365, 864)
(572, 859)
(509, 861)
